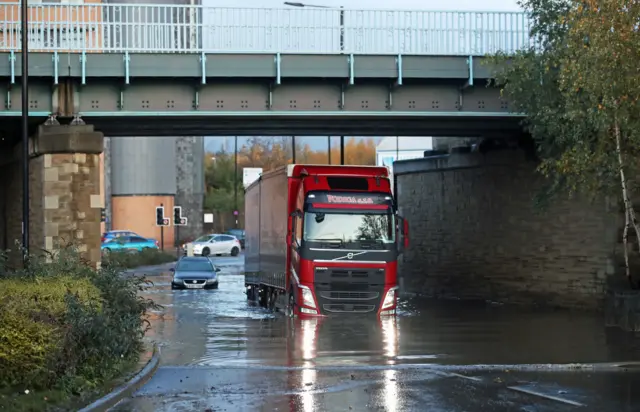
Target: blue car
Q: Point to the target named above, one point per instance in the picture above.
(128, 243)
(106, 236)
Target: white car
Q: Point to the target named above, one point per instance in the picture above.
(216, 244)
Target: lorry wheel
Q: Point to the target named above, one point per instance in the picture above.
(206, 251)
(262, 298)
(291, 312)
(235, 251)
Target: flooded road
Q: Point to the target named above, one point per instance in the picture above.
(220, 353)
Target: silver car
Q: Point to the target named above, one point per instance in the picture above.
(195, 273)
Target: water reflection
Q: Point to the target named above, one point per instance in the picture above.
(391, 339)
(344, 341)
(309, 330)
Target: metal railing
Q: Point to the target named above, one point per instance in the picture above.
(108, 28)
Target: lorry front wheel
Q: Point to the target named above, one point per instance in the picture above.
(291, 309)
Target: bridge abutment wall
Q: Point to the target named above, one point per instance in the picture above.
(65, 199)
(477, 233)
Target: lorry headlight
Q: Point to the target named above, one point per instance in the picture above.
(390, 298)
(307, 297)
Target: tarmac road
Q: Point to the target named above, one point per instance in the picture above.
(220, 353)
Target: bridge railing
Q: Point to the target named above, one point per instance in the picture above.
(108, 28)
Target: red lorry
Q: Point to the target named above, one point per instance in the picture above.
(323, 240)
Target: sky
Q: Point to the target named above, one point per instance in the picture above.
(215, 143)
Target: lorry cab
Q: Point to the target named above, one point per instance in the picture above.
(344, 237)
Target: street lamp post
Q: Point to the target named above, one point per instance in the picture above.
(342, 33)
(24, 31)
(316, 6)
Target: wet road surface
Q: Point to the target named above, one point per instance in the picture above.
(220, 353)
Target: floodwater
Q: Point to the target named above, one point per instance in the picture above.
(221, 353)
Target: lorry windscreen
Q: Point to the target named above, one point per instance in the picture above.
(349, 227)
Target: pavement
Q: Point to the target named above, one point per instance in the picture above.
(221, 353)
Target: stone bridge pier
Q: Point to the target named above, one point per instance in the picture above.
(477, 233)
(65, 200)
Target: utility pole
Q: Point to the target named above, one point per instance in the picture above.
(235, 181)
(24, 31)
(342, 150)
(293, 149)
(329, 149)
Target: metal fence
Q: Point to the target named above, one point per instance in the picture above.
(196, 29)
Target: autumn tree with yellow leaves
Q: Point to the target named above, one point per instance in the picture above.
(269, 153)
(579, 84)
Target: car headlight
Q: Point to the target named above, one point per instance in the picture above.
(307, 297)
(390, 298)
(212, 280)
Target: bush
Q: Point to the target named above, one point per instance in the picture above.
(65, 326)
(32, 320)
(130, 260)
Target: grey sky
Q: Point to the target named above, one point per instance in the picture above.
(215, 143)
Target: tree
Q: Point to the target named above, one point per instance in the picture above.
(578, 85)
(268, 153)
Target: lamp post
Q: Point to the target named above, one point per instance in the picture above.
(24, 31)
(341, 25)
(316, 6)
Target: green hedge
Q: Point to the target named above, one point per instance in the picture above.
(130, 260)
(66, 327)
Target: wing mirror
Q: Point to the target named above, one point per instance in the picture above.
(172, 270)
(403, 228)
(218, 269)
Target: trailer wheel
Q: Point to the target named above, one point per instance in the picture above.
(263, 298)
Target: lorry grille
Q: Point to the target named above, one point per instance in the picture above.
(349, 276)
(349, 289)
(347, 295)
(349, 308)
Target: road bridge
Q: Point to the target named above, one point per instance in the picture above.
(194, 70)
(152, 70)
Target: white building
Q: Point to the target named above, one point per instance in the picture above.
(393, 148)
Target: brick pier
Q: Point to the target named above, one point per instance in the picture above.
(65, 196)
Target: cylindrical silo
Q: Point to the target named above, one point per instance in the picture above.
(143, 176)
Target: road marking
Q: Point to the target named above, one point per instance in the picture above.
(544, 395)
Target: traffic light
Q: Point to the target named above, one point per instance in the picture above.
(177, 215)
(178, 220)
(103, 215)
(160, 220)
